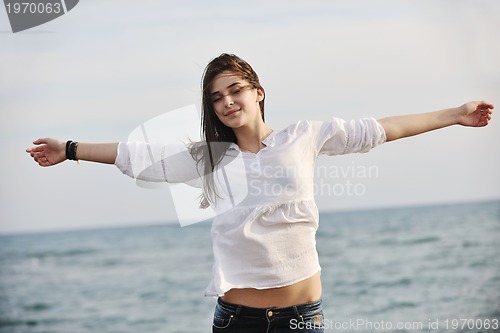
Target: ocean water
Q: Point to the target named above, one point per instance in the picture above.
(424, 269)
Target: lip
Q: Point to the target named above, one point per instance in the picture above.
(231, 112)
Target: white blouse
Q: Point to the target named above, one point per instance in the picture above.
(264, 232)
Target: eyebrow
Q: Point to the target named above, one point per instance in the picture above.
(229, 86)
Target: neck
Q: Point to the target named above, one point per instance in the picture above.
(250, 138)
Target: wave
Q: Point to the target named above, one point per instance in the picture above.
(404, 242)
(56, 254)
(394, 283)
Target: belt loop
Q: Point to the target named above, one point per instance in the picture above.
(297, 313)
(238, 310)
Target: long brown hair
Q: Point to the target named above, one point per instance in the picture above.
(217, 136)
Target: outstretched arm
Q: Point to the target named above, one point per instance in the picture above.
(474, 114)
(50, 152)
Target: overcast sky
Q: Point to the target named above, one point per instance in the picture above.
(105, 67)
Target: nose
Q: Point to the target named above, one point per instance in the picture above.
(228, 101)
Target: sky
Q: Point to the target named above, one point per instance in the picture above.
(98, 72)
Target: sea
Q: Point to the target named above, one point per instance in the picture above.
(412, 269)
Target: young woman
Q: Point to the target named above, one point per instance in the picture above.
(266, 273)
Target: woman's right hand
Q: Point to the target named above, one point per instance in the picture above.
(48, 151)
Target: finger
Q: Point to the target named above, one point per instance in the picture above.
(36, 149)
(42, 161)
(484, 105)
(485, 121)
(40, 141)
(37, 157)
(485, 113)
(45, 162)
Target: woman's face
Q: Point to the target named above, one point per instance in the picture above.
(235, 101)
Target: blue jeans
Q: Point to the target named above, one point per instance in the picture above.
(304, 318)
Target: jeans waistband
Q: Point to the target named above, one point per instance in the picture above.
(291, 311)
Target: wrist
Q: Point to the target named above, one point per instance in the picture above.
(457, 115)
(452, 116)
(464, 113)
(62, 146)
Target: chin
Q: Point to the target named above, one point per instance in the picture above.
(233, 124)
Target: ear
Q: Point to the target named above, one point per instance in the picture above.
(260, 95)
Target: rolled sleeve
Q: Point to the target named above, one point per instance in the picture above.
(150, 162)
(337, 136)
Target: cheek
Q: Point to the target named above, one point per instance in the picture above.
(218, 110)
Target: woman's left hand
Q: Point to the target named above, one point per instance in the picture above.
(475, 114)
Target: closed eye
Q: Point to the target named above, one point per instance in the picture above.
(217, 97)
